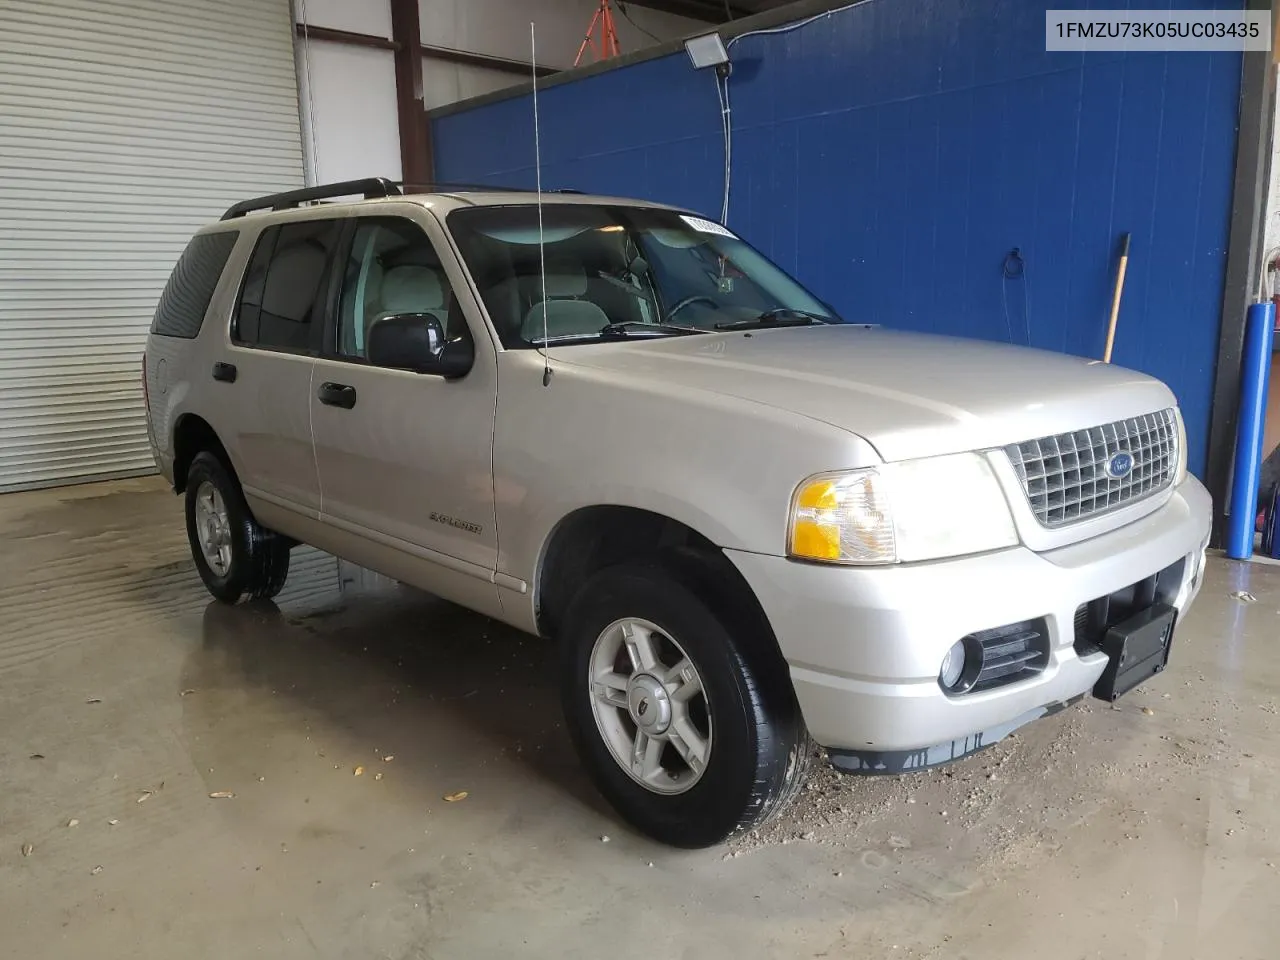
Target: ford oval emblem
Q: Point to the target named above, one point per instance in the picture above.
(1119, 466)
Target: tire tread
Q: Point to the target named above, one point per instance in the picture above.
(777, 746)
(259, 557)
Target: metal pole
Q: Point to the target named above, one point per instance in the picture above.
(1254, 374)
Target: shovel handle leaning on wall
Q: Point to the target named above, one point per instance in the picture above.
(1115, 298)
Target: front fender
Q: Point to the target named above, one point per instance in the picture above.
(723, 466)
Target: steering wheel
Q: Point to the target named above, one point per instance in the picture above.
(690, 300)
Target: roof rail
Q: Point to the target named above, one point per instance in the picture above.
(445, 187)
(371, 187)
(470, 187)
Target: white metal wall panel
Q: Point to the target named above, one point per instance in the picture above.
(124, 126)
(352, 111)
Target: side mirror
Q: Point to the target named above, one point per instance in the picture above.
(415, 341)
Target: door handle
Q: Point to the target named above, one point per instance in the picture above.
(337, 395)
(225, 372)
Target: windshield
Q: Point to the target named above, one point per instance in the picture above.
(621, 272)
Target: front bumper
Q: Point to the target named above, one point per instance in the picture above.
(864, 644)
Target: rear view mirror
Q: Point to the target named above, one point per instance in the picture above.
(416, 341)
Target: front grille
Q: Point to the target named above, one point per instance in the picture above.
(1065, 476)
(1004, 655)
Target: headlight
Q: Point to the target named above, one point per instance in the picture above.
(1181, 473)
(901, 512)
(843, 518)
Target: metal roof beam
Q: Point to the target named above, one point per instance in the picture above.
(708, 11)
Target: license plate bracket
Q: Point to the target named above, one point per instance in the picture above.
(1137, 649)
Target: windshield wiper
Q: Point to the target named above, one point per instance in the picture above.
(636, 329)
(629, 328)
(778, 317)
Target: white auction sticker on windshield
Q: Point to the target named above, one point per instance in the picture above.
(707, 226)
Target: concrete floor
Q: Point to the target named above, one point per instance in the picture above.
(127, 698)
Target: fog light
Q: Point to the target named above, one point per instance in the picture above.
(952, 666)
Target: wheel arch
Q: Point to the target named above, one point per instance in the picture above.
(592, 538)
(192, 434)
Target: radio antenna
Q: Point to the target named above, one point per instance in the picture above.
(537, 172)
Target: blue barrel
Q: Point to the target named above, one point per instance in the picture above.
(1255, 370)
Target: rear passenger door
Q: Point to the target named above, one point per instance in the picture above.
(275, 335)
(405, 458)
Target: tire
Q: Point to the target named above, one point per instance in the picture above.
(755, 751)
(254, 563)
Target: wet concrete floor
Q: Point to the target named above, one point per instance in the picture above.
(341, 716)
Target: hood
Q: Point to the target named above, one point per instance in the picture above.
(908, 394)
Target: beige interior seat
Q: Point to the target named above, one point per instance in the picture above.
(567, 313)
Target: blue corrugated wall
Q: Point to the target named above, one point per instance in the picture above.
(893, 153)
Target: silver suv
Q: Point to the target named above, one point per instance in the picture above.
(746, 521)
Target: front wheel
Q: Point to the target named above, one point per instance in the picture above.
(233, 554)
(679, 722)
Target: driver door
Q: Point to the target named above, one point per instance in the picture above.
(405, 459)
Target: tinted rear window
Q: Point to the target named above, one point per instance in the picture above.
(284, 285)
(190, 288)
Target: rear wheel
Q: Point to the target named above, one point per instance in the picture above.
(233, 554)
(687, 730)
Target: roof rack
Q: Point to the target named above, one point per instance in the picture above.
(371, 187)
(445, 187)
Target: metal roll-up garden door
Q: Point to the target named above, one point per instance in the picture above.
(124, 126)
